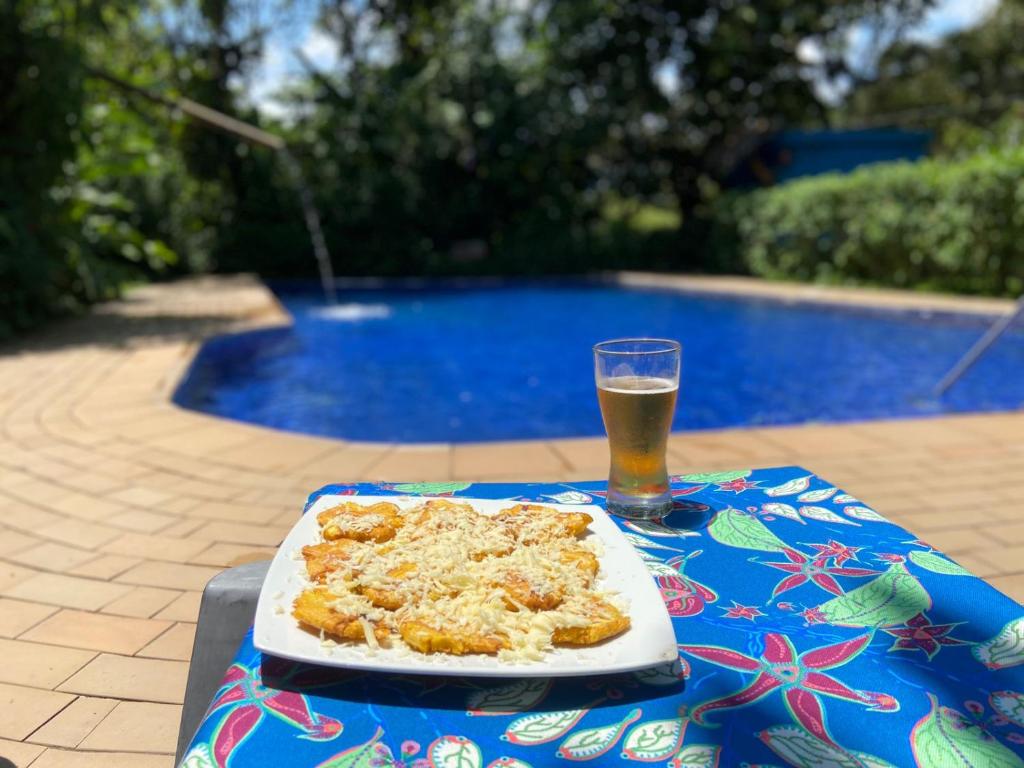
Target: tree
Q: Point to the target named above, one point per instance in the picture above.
(494, 120)
(971, 76)
(682, 88)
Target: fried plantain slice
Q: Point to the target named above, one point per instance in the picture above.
(377, 522)
(425, 639)
(383, 598)
(521, 591)
(533, 523)
(313, 608)
(584, 560)
(323, 559)
(433, 510)
(605, 620)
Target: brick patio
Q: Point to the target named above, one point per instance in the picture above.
(116, 506)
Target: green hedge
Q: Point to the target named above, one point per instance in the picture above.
(931, 225)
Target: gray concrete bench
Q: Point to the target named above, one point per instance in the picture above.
(225, 615)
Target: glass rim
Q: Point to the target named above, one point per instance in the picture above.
(671, 346)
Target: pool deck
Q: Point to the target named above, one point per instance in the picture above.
(116, 506)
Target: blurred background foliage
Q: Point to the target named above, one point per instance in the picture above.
(499, 137)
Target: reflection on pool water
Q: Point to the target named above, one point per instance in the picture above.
(497, 361)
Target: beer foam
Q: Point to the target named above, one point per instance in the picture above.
(644, 385)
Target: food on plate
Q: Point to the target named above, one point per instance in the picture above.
(441, 577)
(377, 522)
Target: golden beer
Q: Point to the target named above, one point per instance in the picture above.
(637, 383)
(637, 413)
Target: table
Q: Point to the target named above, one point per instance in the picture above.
(812, 632)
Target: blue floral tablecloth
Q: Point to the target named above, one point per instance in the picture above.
(811, 631)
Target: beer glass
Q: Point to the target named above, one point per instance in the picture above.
(637, 383)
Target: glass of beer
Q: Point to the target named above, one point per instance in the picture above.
(637, 383)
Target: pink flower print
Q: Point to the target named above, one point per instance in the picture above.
(919, 634)
(803, 570)
(799, 678)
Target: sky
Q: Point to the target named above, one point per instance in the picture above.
(298, 30)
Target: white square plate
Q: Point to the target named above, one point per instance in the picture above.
(649, 641)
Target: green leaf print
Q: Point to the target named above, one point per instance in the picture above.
(696, 756)
(891, 599)
(798, 747)
(944, 732)
(1005, 649)
(937, 564)
(715, 477)
(430, 489)
(654, 740)
(735, 529)
(1010, 705)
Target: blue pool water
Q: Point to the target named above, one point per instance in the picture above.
(513, 360)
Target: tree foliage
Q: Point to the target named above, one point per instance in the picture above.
(972, 78)
(450, 135)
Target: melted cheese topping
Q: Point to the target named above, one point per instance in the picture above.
(456, 570)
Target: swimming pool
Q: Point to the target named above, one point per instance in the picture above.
(500, 361)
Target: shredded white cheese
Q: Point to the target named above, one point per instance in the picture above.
(519, 577)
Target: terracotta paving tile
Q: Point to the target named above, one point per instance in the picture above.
(1008, 533)
(183, 608)
(240, 533)
(11, 574)
(25, 709)
(119, 468)
(16, 616)
(337, 465)
(583, 453)
(80, 533)
(175, 643)
(920, 433)
(232, 554)
(156, 547)
(68, 591)
(142, 602)
(61, 758)
(129, 677)
(277, 451)
(12, 541)
(138, 496)
(954, 542)
(183, 528)
(178, 505)
(1008, 560)
(51, 556)
(943, 519)
(235, 512)
(96, 631)
(19, 753)
(174, 575)
(137, 726)
(201, 441)
(27, 518)
(32, 491)
(479, 461)
(74, 722)
(104, 566)
(142, 521)
(412, 463)
(84, 507)
(39, 666)
(91, 482)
